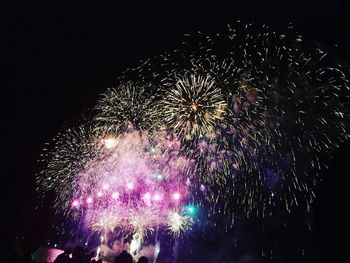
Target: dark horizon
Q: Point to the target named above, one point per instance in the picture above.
(59, 58)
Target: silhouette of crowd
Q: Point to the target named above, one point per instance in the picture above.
(78, 255)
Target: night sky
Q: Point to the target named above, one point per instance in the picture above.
(60, 57)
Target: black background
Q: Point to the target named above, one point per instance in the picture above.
(59, 57)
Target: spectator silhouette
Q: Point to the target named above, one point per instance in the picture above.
(79, 256)
(123, 257)
(64, 257)
(142, 260)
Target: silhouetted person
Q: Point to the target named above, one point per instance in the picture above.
(79, 256)
(142, 260)
(123, 257)
(64, 257)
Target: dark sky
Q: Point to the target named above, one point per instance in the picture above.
(59, 57)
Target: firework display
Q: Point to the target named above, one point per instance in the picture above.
(129, 182)
(238, 124)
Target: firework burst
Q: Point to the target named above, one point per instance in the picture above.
(128, 106)
(177, 223)
(193, 106)
(105, 221)
(71, 153)
(285, 113)
(240, 123)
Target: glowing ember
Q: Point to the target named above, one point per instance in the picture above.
(110, 143)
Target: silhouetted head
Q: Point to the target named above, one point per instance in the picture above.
(78, 252)
(124, 257)
(142, 260)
